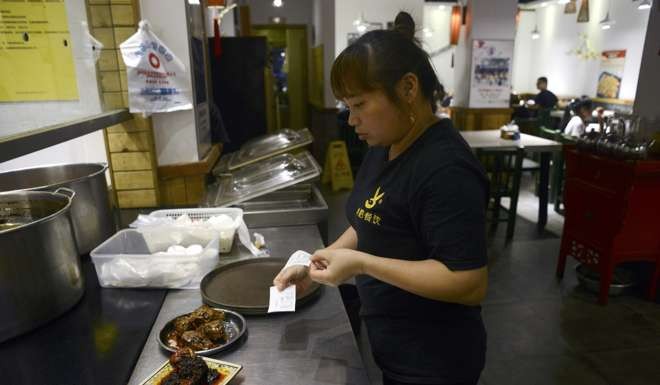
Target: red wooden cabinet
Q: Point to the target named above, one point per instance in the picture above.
(612, 215)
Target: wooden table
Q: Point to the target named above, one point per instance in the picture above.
(490, 140)
(557, 114)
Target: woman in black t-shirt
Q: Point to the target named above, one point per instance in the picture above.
(416, 242)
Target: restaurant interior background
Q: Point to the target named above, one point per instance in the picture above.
(329, 24)
(272, 72)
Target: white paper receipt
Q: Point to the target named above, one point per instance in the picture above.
(299, 258)
(284, 300)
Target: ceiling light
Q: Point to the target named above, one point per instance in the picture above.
(644, 4)
(563, 1)
(358, 21)
(606, 23)
(427, 32)
(535, 33)
(277, 3)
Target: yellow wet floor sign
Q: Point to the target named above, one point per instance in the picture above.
(337, 167)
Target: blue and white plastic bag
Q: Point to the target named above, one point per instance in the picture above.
(157, 79)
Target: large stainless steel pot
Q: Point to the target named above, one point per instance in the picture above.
(40, 274)
(93, 221)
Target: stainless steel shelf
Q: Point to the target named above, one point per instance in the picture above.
(25, 143)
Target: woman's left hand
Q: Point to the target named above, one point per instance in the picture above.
(334, 266)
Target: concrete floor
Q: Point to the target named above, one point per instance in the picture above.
(544, 331)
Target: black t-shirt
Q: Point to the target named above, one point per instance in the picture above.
(428, 203)
(545, 99)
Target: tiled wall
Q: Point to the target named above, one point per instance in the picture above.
(112, 22)
(130, 145)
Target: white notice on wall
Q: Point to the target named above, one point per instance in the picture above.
(490, 83)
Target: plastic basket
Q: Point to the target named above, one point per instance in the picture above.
(199, 214)
(202, 214)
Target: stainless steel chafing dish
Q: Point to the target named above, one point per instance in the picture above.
(274, 188)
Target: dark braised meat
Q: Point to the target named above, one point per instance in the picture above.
(214, 331)
(195, 341)
(183, 323)
(205, 314)
(187, 369)
(172, 339)
(200, 330)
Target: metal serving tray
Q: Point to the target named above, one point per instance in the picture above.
(262, 178)
(285, 208)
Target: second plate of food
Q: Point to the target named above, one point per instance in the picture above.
(206, 331)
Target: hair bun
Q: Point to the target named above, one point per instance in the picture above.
(404, 24)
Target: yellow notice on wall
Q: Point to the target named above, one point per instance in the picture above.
(36, 57)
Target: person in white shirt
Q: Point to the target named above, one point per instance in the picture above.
(576, 126)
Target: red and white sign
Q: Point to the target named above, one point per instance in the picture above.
(156, 81)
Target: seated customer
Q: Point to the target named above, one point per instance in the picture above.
(582, 112)
(544, 99)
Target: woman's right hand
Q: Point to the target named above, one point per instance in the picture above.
(293, 275)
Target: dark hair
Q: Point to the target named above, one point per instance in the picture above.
(379, 59)
(542, 79)
(573, 108)
(584, 103)
(405, 24)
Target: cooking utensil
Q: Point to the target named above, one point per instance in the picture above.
(92, 217)
(40, 274)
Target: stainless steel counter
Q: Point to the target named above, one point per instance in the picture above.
(314, 345)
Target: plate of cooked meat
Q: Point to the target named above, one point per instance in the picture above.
(205, 331)
(185, 367)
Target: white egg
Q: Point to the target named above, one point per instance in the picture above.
(176, 249)
(194, 249)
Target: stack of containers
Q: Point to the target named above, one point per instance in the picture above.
(272, 178)
(168, 249)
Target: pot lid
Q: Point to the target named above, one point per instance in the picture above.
(264, 147)
(261, 178)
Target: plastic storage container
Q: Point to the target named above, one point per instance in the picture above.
(125, 260)
(226, 235)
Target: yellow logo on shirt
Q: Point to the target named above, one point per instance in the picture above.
(374, 200)
(370, 203)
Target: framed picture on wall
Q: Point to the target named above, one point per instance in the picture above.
(490, 78)
(610, 76)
